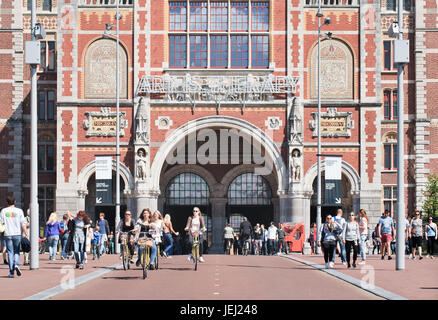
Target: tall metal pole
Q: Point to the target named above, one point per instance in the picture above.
(117, 220)
(34, 214)
(400, 218)
(318, 205)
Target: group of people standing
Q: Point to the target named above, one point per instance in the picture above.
(353, 234)
(262, 241)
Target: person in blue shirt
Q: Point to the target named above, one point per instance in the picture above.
(96, 241)
(385, 231)
(340, 223)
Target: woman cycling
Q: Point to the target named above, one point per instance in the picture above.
(127, 224)
(195, 224)
(141, 226)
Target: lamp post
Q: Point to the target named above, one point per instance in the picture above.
(319, 200)
(108, 27)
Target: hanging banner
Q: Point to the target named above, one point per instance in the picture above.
(333, 179)
(104, 192)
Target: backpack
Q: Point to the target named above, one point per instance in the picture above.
(63, 227)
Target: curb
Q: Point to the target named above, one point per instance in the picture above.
(372, 289)
(49, 293)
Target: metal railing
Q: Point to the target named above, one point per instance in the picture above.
(333, 2)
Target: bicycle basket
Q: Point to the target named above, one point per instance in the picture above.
(145, 242)
(123, 236)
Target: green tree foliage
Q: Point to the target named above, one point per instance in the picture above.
(430, 206)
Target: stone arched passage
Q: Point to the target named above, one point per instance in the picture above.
(347, 171)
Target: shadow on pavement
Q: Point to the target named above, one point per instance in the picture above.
(121, 278)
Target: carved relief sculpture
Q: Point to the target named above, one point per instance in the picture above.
(295, 123)
(141, 124)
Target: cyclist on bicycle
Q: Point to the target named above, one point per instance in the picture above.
(127, 224)
(143, 225)
(245, 231)
(195, 224)
(228, 236)
(157, 221)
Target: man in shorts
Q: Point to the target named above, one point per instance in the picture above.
(385, 231)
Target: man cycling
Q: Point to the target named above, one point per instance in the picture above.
(228, 236)
(245, 230)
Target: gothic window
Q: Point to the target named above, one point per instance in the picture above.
(390, 104)
(46, 153)
(390, 151)
(187, 189)
(100, 70)
(46, 105)
(249, 189)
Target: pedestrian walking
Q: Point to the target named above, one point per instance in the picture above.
(26, 261)
(431, 236)
(417, 234)
(363, 229)
(79, 232)
(264, 238)
(408, 235)
(89, 237)
(385, 231)
(351, 238)
(312, 237)
(104, 232)
(63, 235)
(12, 223)
(168, 233)
(51, 234)
(339, 222)
(258, 243)
(272, 237)
(237, 247)
(327, 237)
(280, 235)
(111, 243)
(377, 243)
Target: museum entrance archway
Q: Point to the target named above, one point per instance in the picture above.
(183, 192)
(93, 210)
(249, 195)
(346, 201)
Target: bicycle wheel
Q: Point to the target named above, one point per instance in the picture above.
(156, 257)
(195, 257)
(143, 263)
(124, 257)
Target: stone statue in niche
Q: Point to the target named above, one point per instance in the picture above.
(296, 165)
(141, 164)
(295, 123)
(141, 124)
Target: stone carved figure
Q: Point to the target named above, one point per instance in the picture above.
(141, 124)
(296, 165)
(295, 123)
(141, 164)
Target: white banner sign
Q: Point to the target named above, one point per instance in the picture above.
(104, 168)
(333, 168)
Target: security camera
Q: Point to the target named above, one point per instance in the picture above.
(327, 20)
(39, 31)
(394, 30)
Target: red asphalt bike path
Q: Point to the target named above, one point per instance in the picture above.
(418, 281)
(224, 277)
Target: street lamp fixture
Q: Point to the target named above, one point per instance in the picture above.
(106, 34)
(327, 21)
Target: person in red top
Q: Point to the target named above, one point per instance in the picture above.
(312, 237)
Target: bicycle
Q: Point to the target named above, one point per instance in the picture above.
(228, 246)
(195, 250)
(124, 250)
(246, 247)
(145, 244)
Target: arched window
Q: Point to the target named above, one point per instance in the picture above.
(100, 70)
(187, 189)
(46, 153)
(390, 151)
(249, 189)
